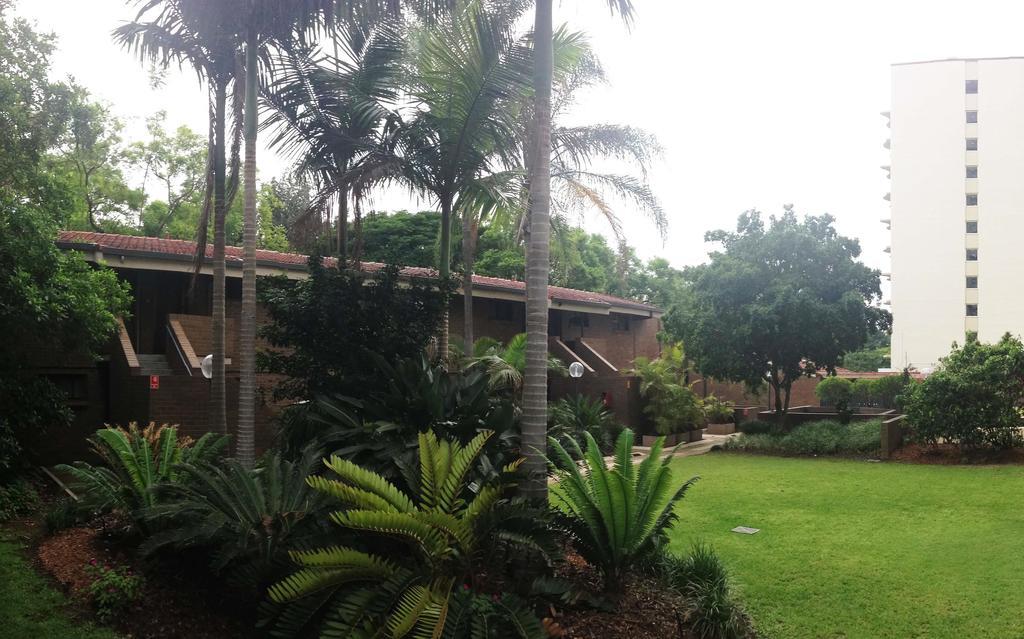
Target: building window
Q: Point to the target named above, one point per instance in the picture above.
(972, 281)
(972, 310)
(971, 86)
(621, 322)
(972, 144)
(972, 117)
(504, 311)
(972, 171)
(972, 199)
(972, 255)
(972, 226)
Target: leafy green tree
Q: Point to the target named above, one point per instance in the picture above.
(50, 302)
(409, 239)
(94, 159)
(778, 302)
(974, 398)
(873, 356)
(176, 163)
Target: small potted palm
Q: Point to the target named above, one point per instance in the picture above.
(720, 416)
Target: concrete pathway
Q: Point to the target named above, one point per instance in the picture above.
(687, 450)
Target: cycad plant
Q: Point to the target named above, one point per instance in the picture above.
(245, 517)
(135, 461)
(578, 414)
(618, 515)
(406, 590)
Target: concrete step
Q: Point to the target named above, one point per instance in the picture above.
(154, 364)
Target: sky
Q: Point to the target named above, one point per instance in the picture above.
(757, 104)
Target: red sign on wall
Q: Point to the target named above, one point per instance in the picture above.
(154, 382)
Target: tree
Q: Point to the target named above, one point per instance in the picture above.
(201, 35)
(177, 162)
(327, 110)
(51, 302)
(95, 158)
(535, 384)
(777, 303)
(408, 239)
(974, 398)
(873, 356)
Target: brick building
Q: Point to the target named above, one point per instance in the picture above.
(151, 371)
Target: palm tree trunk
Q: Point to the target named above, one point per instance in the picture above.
(535, 380)
(218, 388)
(245, 448)
(342, 228)
(444, 269)
(468, 259)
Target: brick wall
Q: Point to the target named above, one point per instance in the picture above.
(802, 393)
(624, 391)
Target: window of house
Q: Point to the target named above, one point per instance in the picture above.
(972, 255)
(621, 322)
(504, 310)
(972, 310)
(972, 144)
(972, 281)
(972, 199)
(972, 226)
(972, 117)
(972, 171)
(971, 86)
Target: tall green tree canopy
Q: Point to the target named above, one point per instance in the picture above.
(777, 301)
(48, 299)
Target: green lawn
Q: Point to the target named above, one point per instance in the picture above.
(860, 549)
(30, 608)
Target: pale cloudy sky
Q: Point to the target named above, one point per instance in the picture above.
(757, 103)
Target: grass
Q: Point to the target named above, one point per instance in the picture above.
(30, 608)
(858, 549)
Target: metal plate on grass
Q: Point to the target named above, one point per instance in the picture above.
(744, 530)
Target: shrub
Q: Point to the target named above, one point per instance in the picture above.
(506, 363)
(243, 518)
(615, 516)
(717, 411)
(112, 590)
(570, 417)
(61, 515)
(886, 391)
(134, 462)
(701, 578)
(326, 329)
(17, 498)
(838, 393)
(669, 401)
(381, 431)
(973, 399)
(433, 539)
(826, 437)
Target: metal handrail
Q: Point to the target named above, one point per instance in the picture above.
(177, 348)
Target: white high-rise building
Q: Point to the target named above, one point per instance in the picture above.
(957, 204)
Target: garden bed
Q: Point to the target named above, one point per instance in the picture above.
(949, 455)
(173, 604)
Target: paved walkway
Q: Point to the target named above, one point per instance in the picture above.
(688, 450)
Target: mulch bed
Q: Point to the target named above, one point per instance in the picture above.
(172, 606)
(646, 610)
(949, 454)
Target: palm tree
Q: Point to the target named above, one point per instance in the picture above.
(535, 382)
(469, 75)
(201, 35)
(327, 110)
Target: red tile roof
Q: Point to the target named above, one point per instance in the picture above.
(154, 246)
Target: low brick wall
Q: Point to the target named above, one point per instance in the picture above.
(893, 433)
